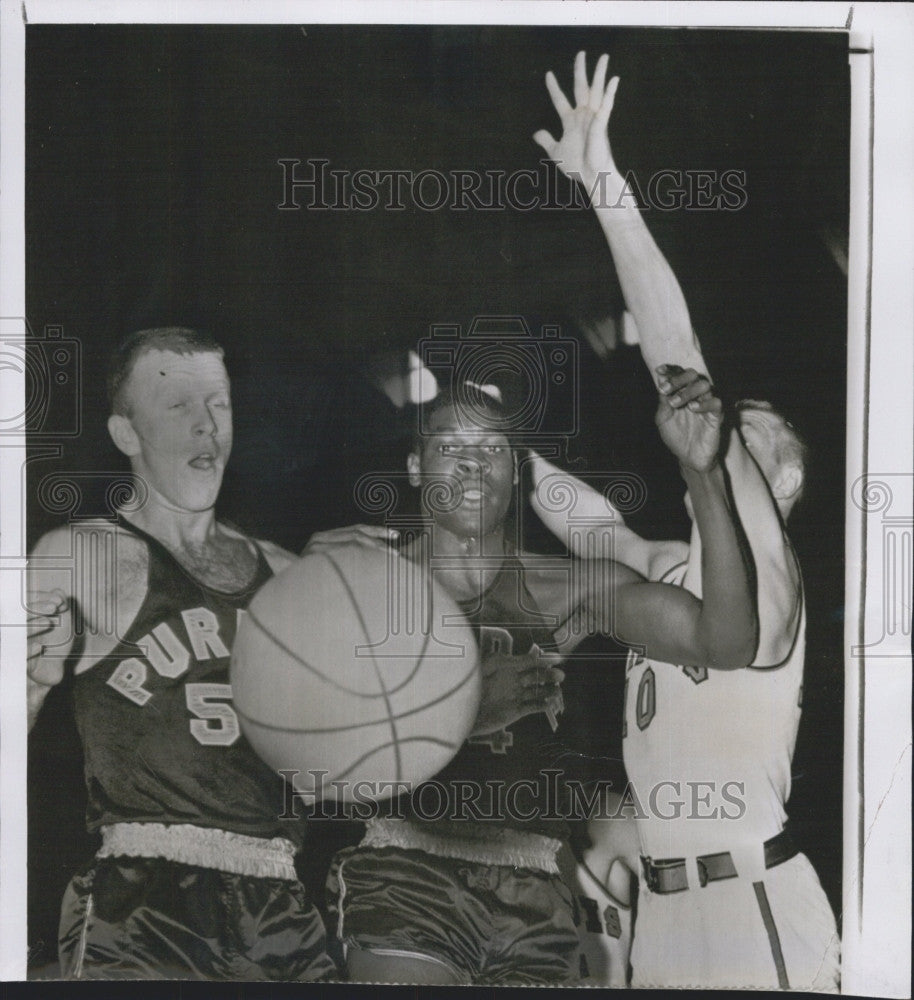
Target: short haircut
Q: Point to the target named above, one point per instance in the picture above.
(177, 339)
(790, 447)
(473, 404)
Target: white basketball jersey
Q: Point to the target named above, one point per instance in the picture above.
(708, 752)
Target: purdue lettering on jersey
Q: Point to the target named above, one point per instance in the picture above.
(215, 722)
(162, 739)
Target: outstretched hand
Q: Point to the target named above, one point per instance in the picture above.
(689, 417)
(583, 152)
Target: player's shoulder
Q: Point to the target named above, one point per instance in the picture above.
(90, 559)
(60, 540)
(57, 541)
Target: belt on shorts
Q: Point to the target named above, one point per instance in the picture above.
(669, 875)
(236, 853)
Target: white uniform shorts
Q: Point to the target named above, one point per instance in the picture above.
(778, 933)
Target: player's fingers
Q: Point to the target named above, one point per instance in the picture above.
(377, 534)
(680, 378)
(39, 625)
(546, 140)
(606, 105)
(534, 702)
(697, 389)
(541, 677)
(46, 602)
(581, 90)
(595, 97)
(707, 404)
(664, 374)
(42, 609)
(559, 100)
(376, 530)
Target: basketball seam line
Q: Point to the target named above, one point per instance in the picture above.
(358, 614)
(358, 725)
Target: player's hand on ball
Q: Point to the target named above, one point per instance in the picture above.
(372, 535)
(689, 417)
(583, 149)
(516, 686)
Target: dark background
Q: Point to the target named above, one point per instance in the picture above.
(151, 198)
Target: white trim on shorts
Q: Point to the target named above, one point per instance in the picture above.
(204, 847)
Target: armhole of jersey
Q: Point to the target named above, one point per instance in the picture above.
(666, 576)
(798, 615)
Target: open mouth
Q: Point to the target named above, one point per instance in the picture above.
(206, 461)
(473, 495)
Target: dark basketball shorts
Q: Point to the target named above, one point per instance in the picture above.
(489, 924)
(148, 918)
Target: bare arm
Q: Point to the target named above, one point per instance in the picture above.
(649, 558)
(720, 631)
(655, 300)
(651, 291)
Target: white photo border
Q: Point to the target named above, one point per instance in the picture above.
(880, 441)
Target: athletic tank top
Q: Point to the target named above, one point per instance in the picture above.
(509, 776)
(708, 752)
(161, 741)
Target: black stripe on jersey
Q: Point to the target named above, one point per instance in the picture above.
(798, 612)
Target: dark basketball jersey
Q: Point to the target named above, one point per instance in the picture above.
(511, 775)
(161, 740)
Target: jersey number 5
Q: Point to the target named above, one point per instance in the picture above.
(216, 723)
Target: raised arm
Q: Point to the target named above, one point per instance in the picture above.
(721, 630)
(655, 300)
(651, 291)
(649, 558)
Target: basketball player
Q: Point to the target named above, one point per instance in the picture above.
(728, 903)
(471, 892)
(195, 875)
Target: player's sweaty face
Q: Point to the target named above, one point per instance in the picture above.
(474, 472)
(181, 412)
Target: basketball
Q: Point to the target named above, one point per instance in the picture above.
(353, 664)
